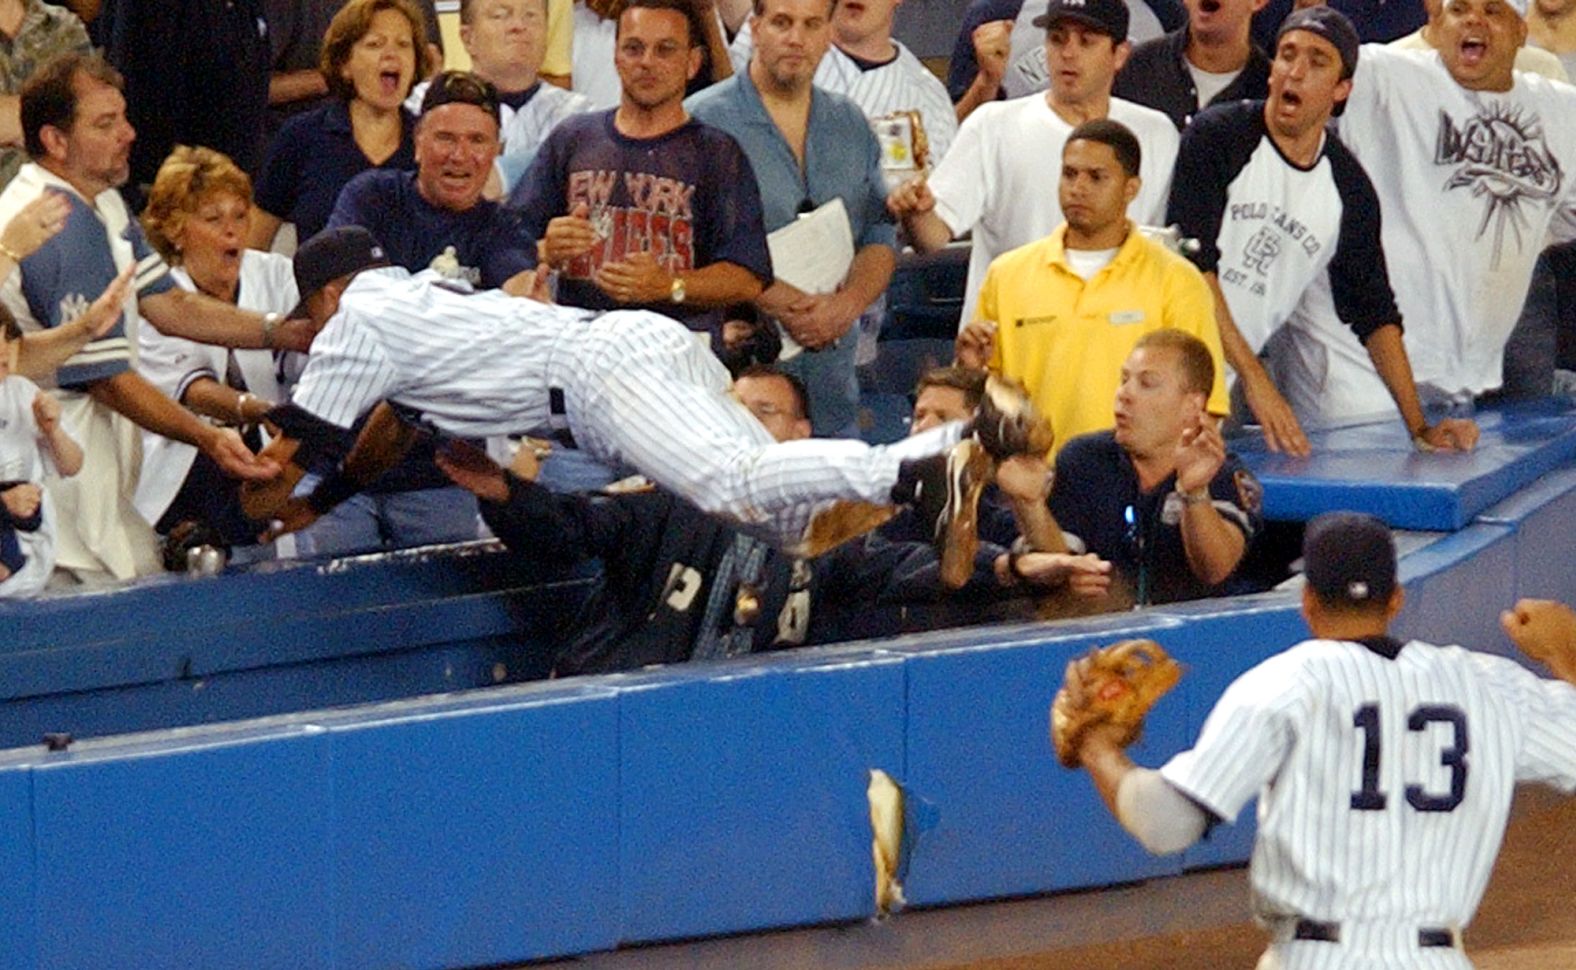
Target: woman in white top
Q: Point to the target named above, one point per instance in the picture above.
(197, 217)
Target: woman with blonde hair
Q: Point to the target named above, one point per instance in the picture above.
(372, 55)
(197, 217)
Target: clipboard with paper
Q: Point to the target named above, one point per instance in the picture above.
(812, 253)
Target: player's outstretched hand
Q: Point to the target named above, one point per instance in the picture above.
(230, 453)
(1451, 434)
(975, 345)
(36, 223)
(294, 334)
(1282, 430)
(469, 467)
(1544, 630)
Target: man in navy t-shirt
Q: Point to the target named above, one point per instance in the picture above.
(435, 217)
(641, 206)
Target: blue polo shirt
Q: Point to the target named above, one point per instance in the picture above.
(312, 158)
(842, 160)
(1096, 497)
(488, 241)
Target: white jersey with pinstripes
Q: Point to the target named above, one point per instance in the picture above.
(1384, 786)
(637, 388)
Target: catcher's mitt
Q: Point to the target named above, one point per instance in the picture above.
(1114, 685)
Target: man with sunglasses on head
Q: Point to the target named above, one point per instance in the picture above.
(642, 207)
(435, 217)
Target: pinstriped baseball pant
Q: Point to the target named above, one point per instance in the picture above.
(641, 389)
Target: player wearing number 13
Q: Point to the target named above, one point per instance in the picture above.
(1384, 769)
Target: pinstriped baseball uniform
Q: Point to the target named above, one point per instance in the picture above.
(637, 387)
(1385, 773)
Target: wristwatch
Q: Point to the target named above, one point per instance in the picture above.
(676, 291)
(1193, 498)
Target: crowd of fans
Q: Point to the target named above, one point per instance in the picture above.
(1364, 225)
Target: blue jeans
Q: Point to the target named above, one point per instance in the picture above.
(379, 521)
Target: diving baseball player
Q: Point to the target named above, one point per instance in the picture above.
(634, 387)
(1384, 769)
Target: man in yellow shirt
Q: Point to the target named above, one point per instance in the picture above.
(1063, 313)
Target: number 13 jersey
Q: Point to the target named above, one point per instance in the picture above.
(1385, 773)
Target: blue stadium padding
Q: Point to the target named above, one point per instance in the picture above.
(18, 906)
(1217, 641)
(883, 418)
(1372, 468)
(1457, 586)
(478, 831)
(265, 691)
(1544, 519)
(186, 856)
(743, 799)
(1010, 819)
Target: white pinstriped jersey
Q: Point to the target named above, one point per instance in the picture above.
(1384, 785)
(903, 85)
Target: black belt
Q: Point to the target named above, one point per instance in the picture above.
(1308, 929)
(555, 407)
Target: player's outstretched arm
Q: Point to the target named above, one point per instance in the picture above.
(1544, 630)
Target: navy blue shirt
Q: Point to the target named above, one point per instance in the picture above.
(688, 197)
(311, 160)
(488, 242)
(1377, 21)
(1096, 497)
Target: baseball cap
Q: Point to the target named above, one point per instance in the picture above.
(1106, 16)
(333, 253)
(1349, 557)
(1332, 25)
(461, 87)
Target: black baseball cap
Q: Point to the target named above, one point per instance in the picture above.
(1330, 24)
(331, 254)
(1106, 16)
(461, 87)
(1348, 557)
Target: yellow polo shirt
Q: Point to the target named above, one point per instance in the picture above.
(1066, 339)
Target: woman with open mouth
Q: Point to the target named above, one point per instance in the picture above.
(372, 54)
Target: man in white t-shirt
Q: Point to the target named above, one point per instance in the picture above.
(993, 180)
(1471, 162)
(1529, 59)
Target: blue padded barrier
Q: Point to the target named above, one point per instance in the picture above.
(18, 907)
(1457, 586)
(1544, 519)
(742, 799)
(188, 855)
(476, 832)
(1373, 468)
(1217, 641)
(1009, 819)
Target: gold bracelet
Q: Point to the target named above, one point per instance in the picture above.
(10, 254)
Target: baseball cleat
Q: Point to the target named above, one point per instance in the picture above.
(947, 495)
(1007, 422)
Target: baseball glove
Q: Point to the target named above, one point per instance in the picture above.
(1114, 685)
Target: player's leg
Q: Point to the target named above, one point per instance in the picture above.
(663, 406)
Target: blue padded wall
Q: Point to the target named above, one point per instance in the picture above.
(1543, 518)
(1010, 820)
(186, 856)
(17, 905)
(1456, 588)
(481, 839)
(742, 798)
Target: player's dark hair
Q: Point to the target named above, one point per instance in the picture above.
(966, 379)
(468, 9)
(1115, 134)
(697, 31)
(801, 394)
(50, 96)
(1198, 366)
(9, 328)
